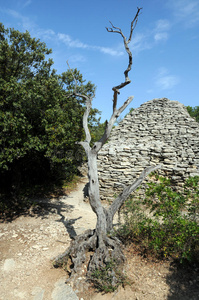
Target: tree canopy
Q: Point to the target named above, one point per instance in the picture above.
(40, 119)
(194, 112)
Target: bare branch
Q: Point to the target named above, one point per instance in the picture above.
(134, 23)
(88, 101)
(109, 125)
(125, 104)
(118, 30)
(115, 29)
(116, 112)
(117, 203)
(97, 240)
(116, 92)
(85, 120)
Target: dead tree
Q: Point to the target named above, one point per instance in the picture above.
(99, 241)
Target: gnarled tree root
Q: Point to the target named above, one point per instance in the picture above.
(102, 248)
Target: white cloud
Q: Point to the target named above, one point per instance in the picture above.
(27, 3)
(49, 34)
(149, 39)
(186, 11)
(45, 35)
(75, 43)
(162, 25)
(161, 36)
(167, 82)
(25, 22)
(164, 80)
(161, 30)
(66, 39)
(109, 51)
(140, 42)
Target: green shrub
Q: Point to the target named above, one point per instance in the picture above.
(165, 222)
(108, 278)
(40, 118)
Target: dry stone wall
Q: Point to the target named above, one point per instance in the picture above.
(159, 131)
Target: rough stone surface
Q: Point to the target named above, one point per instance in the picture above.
(63, 291)
(159, 131)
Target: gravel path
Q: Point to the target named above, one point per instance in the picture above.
(30, 242)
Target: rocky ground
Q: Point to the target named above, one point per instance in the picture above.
(28, 244)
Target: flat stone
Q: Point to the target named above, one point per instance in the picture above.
(62, 291)
(38, 293)
(9, 265)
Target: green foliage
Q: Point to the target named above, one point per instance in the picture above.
(194, 112)
(40, 119)
(165, 222)
(97, 130)
(108, 278)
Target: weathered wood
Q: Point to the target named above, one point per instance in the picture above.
(127, 190)
(104, 246)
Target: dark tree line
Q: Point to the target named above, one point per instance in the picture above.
(194, 112)
(40, 119)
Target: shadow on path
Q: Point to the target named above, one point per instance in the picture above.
(68, 224)
(183, 281)
(59, 208)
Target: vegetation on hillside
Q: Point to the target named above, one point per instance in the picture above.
(40, 123)
(164, 222)
(194, 112)
(40, 119)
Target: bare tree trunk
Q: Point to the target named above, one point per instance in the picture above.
(104, 246)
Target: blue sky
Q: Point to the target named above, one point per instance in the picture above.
(165, 44)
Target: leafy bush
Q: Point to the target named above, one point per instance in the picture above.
(165, 222)
(194, 112)
(40, 119)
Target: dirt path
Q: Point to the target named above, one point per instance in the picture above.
(28, 244)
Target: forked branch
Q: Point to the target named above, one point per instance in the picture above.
(127, 190)
(102, 247)
(126, 41)
(116, 90)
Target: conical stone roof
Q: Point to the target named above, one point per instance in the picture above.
(159, 131)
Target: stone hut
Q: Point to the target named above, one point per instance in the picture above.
(159, 131)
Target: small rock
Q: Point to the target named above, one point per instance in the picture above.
(9, 265)
(38, 293)
(15, 235)
(19, 295)
(62, 291)
(36, 247)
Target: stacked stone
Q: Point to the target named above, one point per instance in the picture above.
(159, 131)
